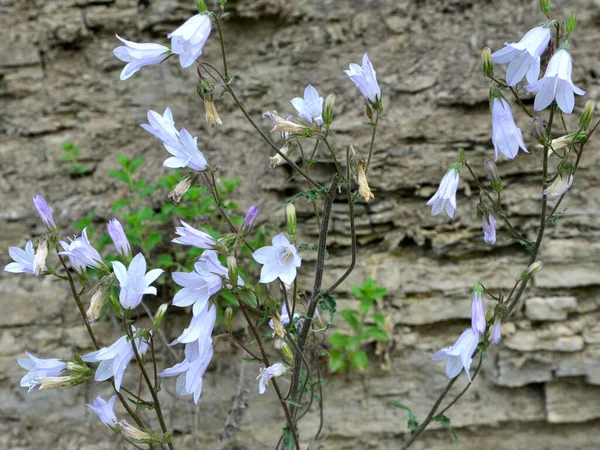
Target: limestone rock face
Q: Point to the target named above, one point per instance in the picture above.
(59, 81)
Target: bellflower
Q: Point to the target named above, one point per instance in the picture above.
(477, 313)
(459, 355)
(119, 238)
(506, 136)
(365, 79)
(276, 370)
(187, 40)
(524, 56)
(189, 235)
(39, 368)
(162, 127)
(496, 332)
(139, 55)
(81, 253)
(284, 317)
(23, 259)
(115, 359)
(311, 106)
(134, 281)
(556, 84)
(251, 217)
(446, 193)
(489, 229)
(44, 211)
(561, 184)
(186, 154)
(104, 410)
(200, 327)
(279, 260)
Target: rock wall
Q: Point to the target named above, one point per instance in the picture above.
(539, 389)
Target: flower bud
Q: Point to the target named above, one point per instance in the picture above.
(251, 217)
(201, 5)
(232, 269)
(290, 214)
(328, 109)
(538, 129)
(545, 6)
(182, 187)
(159, 316)
(39, 260)
(119, 238)
(211, 112)
(228, 318)
(131, 432)
(488, 65)
(45, 212)
(532, 270)
(586, 117)
(287, 352)
(369, 112)
(79, 368)
(96, 303)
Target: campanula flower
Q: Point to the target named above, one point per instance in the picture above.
(459, 355)
(200, 327)
(186, 154)
(496, 332)
(251, 217)
(524, 56)
(477, 313)
(39, 368)
(44, 211)
(276, 370)
(23, 259)
(489, 229)
(506, 136)
(365, 79)
(279, 260)
(134, 281)
(105, 410)
(311, 106)
(115, 359)
(139, 55)
(162, 127)
(119, 238)
(189, 235)
(556, 84)
(445, 196)
(81, 253)
(188, 40)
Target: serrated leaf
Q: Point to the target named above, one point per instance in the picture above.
(379, 319)
(119, 204)
(374, 333)
(349, 316)
(445, 422)
(337, 363)
(413, 423)
(338, 340)
(137, 162)
(358, 359)
(120, 175)
(124, 161)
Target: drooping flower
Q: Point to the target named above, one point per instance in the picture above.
(39, 368)
(365, 79)
(460, 354)
(445, 196)
(139, 55)
(119, 238)
(276, 370)
(489, 229)
(115, 359)
(105, 410)
(198, 287)
(311, 106)
(81, 253)
(39, 260)
(188, 40)
(200, 327)
(134, 281)
(556, 84)
(133, 433)
(279, 260)
(96, 304)
(162, 127)
(506, 136)
(561, 184)
(524, 56)
(189, 235)
(250, 218)
(44, 211)
(186, 154)
(23, 259)
(496, 332)
(477, 313)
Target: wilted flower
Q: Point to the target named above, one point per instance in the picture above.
(365, 79)
(477, 313)
(39, 368)
(538, 130)
(556, 84)
(139, 55)
(81, 253)
(200, 327)
(561, 184)
(119, 238)
(44, 211)
(446, 193)
(284, 319)
(96, 303)
(524, 56)
(210, 112)
(188, 40)
(363, 185)
(104, 410)
(162, 127)
(189, 235)
(133, 433)
(23, 259)
(459, 355)
(489, 229)
(284, 125)
(506, 136)
(276, 370)
(279, 260)
(181, 188)
(54, 382)
(134, 281)
(311, 106)
(496, 332)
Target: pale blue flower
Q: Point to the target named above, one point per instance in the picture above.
(251, 217)
(139, 55)
(189, 235)
(459, 355)
(162, 127)
(186, 154)
(24, 260)
(276, 370)
(489, 229)
(134, 281)
(44, 211)
(200, 327)
(119, 238)
(311, 106)
(188, 40)
(477, 312)
(104, 410)
(39, 368)
(445, 196)
(506, 136)
(81, 253)
(365, 79)
(279, 260)
(496, 332)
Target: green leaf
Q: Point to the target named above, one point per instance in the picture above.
(374, 333)
(365, 305)
(120, 175)
(339, 340)
(153, 240)
(124, 161)
(545, 6)
(445, 422)
(145, 214)
(379, 319)
(311, 194)
(571, 23)
(337, 363)
(349, 316)
(165, 260)
(413, 424)
(137, 162)
(359, 359)
(119, 204)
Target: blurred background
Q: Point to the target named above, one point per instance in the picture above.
(59, 82)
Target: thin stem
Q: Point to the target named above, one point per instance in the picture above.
(243, 347)
(465, 389)
(218, 23)
(371, 146)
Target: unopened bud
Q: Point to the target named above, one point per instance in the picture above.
(228, 318)
(290, 214)
(54, 382)
(538, 129)
(39, 260)
(232, 269)
(211, 112)
(532, 269)
(586, 117)
(250, 218)
(488, 65)
(287, 352)
(182, 187)
(159, 316)
(77, 368)
(545, 6)
(369, 112)
(96, 303)
(328, 109)
(201, 5)
(133, 433)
